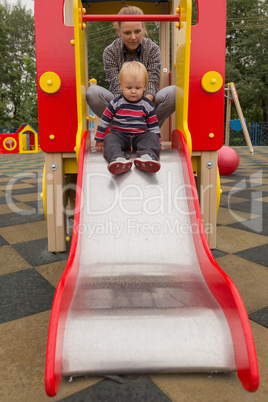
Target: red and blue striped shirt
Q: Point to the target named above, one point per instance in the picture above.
(128, 117)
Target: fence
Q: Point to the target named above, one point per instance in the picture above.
(13, 130)
(258, 133)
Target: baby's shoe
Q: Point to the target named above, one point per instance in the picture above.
(148, 163)
(119, 165)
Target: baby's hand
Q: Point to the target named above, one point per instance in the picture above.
(99, 145)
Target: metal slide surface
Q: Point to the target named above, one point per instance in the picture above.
(141, 302)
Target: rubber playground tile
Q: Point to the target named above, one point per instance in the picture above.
(136, 390)
(227, 198)
(6, 200)
(52, 272)
(26, 232)
(29, 197)
(255, 225)
(250, 279)
(263, 199)
(217, 253)
(248, 193)
(23, 216)
(36, 252)
(260, 317)
(259, 254)
(245, 183)
(253, 206)
(3, 241)
(232, 240)
(11, 187)
(23, 362)
(24, 293)
(11, 261)
(206, 387)
(24, 190)
(226, 216)
(12, 207)
(36, 204)
(35, 180)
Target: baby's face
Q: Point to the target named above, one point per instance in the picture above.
(133, 87)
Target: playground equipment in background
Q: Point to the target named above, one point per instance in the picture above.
(109, 296)
(23, 141)
(232, 96)
(228, 159)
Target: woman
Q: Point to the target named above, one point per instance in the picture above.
(132, 45)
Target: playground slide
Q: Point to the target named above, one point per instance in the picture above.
(141, 291)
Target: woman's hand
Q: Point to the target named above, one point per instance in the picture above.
(150, 97)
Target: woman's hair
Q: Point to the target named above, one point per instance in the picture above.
(130, 10)
(133, 68)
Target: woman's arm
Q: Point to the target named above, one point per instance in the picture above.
(112, 66)
(151, 58)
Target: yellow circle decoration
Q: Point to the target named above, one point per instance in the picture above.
(50, 82)
(211, 81)
(9, 143)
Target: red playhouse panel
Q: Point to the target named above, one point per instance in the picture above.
(207, 76)
(56, 85)
(9, 144)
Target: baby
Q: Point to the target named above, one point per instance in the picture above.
(133, 122)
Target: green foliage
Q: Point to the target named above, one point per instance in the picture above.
(18, 73)
(246, 55)
(99, 35)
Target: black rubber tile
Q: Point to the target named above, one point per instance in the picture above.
(27, 190)
(141, 389)
(27, 216)
(218, 253)
(36, 252)
(24, 293)
(252, 206)
(239, 182)
(38, 204)
(3, 242)
(249, 193)
(256, 225)
(260, 317)
(259, 255)
(7, 200)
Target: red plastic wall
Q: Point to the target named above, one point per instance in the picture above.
(57, 112)
(206, 110)
(3, 150)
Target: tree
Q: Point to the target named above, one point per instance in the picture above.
(18, 96)
(246, 55)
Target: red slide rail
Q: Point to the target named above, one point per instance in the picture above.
(221, 286)
(64, 293)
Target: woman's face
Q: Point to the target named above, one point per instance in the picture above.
(131, 32)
